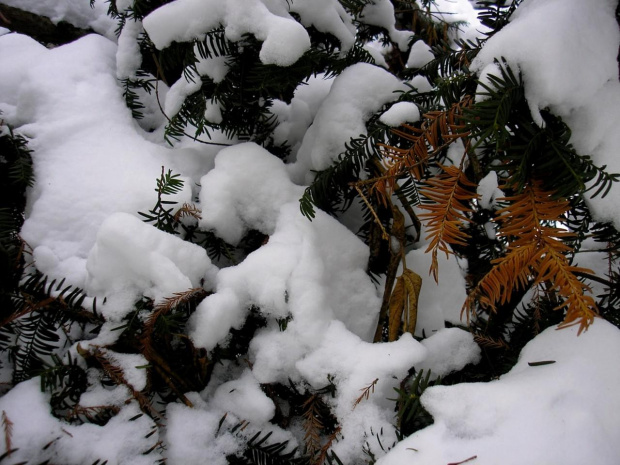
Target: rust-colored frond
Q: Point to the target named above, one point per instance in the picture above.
(533, 216)
(323, 454)
(580, 307)
(536, 254)
(117, 375)
(169, 303)
(449, 195)
(186, 210)
(92, 414)
(491, 343)
(313, 426)
(163, 308)
(7, 425)
(438, 130)
(509, 273)
(366, 391)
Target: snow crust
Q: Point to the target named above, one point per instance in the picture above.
(563, 412)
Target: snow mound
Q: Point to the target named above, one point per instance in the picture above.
(284, 39)
(399, 113)
(34, 429)
(132, 256)
(561, 412)
(356, 94)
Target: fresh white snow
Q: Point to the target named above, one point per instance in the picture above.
(95, 168)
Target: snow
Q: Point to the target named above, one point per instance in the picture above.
(119, 441)
(438, 301)
(192, 436)
(567, 55)
(357, 93)
(568, 422)
(132, 256)
(77, 12)
(400, 113)
(259, 185)
(381, 13)
(327, 16)
(284, 39)
(489, 191)
(81, 171)
(96, 168)
(295, 118)
(128, 58)
(449, 350)
(420, 55)
(314, 270)
(244, 398)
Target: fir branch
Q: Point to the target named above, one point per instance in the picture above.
(438, 130)
(449, 197)
(312, 426)
(116, 374)
(536, 253)
(366, 391)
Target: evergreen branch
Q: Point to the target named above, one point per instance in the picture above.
(312, 426)
(324, 452)
(536, 253)
(366, 391)
(260, 452)
(332, 185)
(449, 195)
(116, 374)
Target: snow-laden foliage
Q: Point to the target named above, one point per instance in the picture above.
(221, 216)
